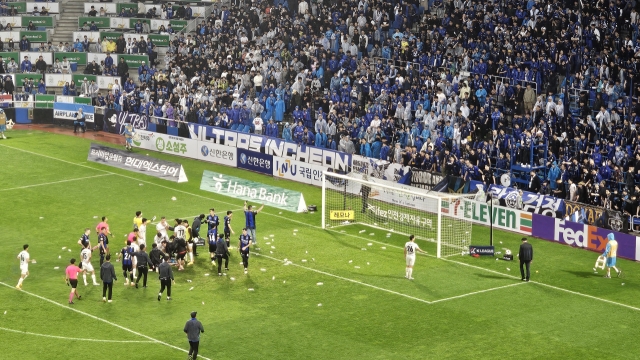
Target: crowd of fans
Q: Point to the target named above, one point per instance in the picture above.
(467, 88)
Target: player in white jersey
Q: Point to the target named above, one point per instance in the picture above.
(142, 231)
(134, 261)
(180, 231)
(410, 249)
(24, 265)
(85, 258)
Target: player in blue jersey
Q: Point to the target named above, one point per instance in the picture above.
(126, 254)
(103, 244)
(212, 235)
(243, 248)
(611, 253)
(227, 227)
(212, 220)
(250, 220)
(84, 239)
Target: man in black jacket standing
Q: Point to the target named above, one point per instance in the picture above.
(143, 265)
(166, 277)
(193, 328)
(108, 276)
(526, 257)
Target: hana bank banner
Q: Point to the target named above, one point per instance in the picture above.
(584, 236)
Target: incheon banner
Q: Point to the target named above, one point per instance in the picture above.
(252, 191)
(583, 236)
(137, 162)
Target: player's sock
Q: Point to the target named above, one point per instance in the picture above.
(71, 297)
(93, 277)
(406, 272)
(410, 272)
(20, 281)
(84, 277)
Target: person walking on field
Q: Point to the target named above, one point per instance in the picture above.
(193, 328)
(166, 277)
(72, 279)
(23, 256)
(526, 257)
(410, 249)
(611, 253)
(108, 276)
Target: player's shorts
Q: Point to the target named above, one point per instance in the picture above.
(24, 269)
(611, 261)
(212, 248)
(87, 266)
(227, 234)
(190, 245)
(180, 256)
(411, 260)
(73, 283)
(3, 128)
(127, 267)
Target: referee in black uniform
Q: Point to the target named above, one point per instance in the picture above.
(166, 277)
(526, 257)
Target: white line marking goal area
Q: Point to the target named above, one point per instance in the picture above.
(149, 338)
(312, 226)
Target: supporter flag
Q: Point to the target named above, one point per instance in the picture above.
(615, 221)
(579, 216)
(405, 178)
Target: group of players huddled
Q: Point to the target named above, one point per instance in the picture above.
(178, 249)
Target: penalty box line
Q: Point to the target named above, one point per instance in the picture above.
(55, 182)
(100, 319)
(319, 227)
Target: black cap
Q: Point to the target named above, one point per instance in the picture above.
(193, 314)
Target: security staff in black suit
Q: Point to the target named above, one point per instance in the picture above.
(534, 183)
(526, 257)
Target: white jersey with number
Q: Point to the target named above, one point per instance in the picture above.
(134, 259)
(85, 256)
(24, 261)
(180, 232)
(411, 248)
(142, 234)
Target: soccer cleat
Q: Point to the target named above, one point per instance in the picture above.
(190, 263)
(85, 284)
(104, 299)
(159, 296)
(79, 297)
(410, 278)
(108, 300)
(246, 272)
(136, 285)
(169, 299)
(96, 284)
(620, 273)
(219, 274)
(523, 279)
(226, 269)
(19, 287)
(71, 303)
(607, 277)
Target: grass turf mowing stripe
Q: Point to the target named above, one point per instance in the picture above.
(100, 319)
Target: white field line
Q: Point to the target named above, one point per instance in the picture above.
(100, 319)
(319, 227)
(477, 292)
(76, 339)
(349, 280)
(55, 182)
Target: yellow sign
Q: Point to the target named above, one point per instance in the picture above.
(341, 215)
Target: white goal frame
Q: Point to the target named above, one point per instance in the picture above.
(437, 197)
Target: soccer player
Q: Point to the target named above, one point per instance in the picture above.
(142, 231)
(166, 277)
(189, 240)
(410, 249)
(243, 248)
(163, 226)
(143, 265)
(134, 259)
(250, 220)
(23, 256)
(159, 238)
(72, 279)
(227, 227)
(212, 219)
(222, 252)
(103, 243)
(85, 259)
(108, 276)
(137, 220)
(212, 235)
(180, 243)
(611, 252)
(84, 239)
(127, 262)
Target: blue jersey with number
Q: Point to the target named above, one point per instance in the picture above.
(213, 236)
(250, 219)
(244, 241)
(213, 221)
(127, 253)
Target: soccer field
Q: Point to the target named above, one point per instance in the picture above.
(343, 297)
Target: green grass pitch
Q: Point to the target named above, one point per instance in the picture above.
(459, 308)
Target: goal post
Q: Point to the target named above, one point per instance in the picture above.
(435, 217)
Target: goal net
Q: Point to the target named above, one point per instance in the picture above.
(435, 217)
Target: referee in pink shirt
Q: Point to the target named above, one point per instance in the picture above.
(103, 224)
(72, 279)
